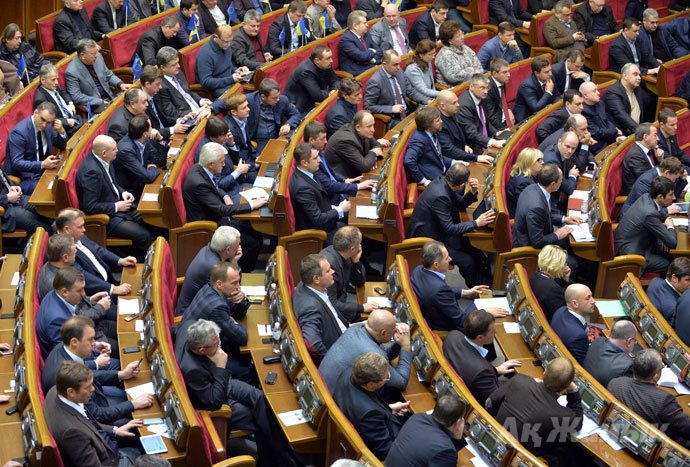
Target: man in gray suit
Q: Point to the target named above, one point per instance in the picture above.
(610, 358)
(374, 335)
(645, 224)
(391, 33)
(386, 90)
(89, 80)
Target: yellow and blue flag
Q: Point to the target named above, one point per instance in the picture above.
(398, 3)
(137, 67)
(325, 21)
(301, 28)
(193, 29)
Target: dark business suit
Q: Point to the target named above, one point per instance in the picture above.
(204, 201)
(514, 187)
(311, 204)
(42, 95)
(333, 182)
(423, 28)
(118, 123)
(369, 413)
(246, 150)
(508, 10)
(468, 117)
(151, 42)
(97, 195)
(353, 56)
(372, 8)
(196, 276)
(453, 141)
(69, 27)
(600, 126)
(436, 215)
(206, 17)
(439, 448)
(664, 297)
(657, 45)
(284, 113)
(345, 272)
(382, 35)
(655, 405)
(349, 153)
(170, 103)
(32, 58)
(605, 361)
(340, 114)
(131, 167)
(558, 74)
(477, 372)
(424, 159)
(309, 84)
(636, 162)
(642, 186)
(552, 123)
(553, 155)
(671, 148)
(19, 215)
(102, 18)
(682, 320)
(584, 17)
(683, 90)
(380, 97)
(620, 53)
(51, 314)
(571, 332)
(438, 301)
(494, 106)
(531, 98)
(108, 261)
(243, 50)
(141, 8)
(282, 27)
(533, 220)
(618, 107)
(550, 293)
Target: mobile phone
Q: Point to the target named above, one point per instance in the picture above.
(129, 318)
(379, 291)
(131, 350)
(6, 352)
(11, 410)
(498, 293)
(153, 421)
(271, 359)
(271, 377)
(536, 362)
(267, 340)
(6, 315)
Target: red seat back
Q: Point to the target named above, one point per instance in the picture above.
(168, 284)
(288, 202)
(412, 15)
(602, 47)
(614, 180)
(476, 39)
(483, 11)
(44, 27)
(177, 188)
(62, 70)
(519, 71)
(321, 116)
(683, 128)
(673, 73)
(266, 22)
(618, 7)
(123, 42)
(188, 59)
(20, 107)
(540, 20)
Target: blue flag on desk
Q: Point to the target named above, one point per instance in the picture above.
(88, 111)
(232, 13)
(126, 8)
(137, 66)
(193, 29)
(281, 38)
(22, 72)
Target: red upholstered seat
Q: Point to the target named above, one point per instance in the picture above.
(602, 46)
(44, 27)
(614, 180)
(177, 188)
(333, 43)
(683, 128)
(673, 73)
(283, 67)
(266, 22)
(16, 110)
(475, 40)
(188, 59)
(123, 42)
(618, 7)
(541, 19)
(400, 196)
(288, 275)
(412, 15)
(169, 283)
(649, 276)
(288, 202)
(483, 11)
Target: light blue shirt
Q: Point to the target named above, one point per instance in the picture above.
(546, 194)
(439, 274)
(482, 351)
(78, 407)
(211, 175)
(72, 308)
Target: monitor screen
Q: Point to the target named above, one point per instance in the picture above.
(19, 331)
(443, 386)
(513, 292)
(402, 312)
(19, 379)
(148, 262)
(145, 299)
(150, 339)
(29, 436)
(275, 309)
(630, 301)
(488, 441)
(270, 277)
(158, 377)
(547, 352)
(173, 415)
(392, 282)
(25, 254)
(288, 356)
(19, 298)
(681, 362)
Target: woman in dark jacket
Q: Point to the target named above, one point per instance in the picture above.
(550, 282)
(523, 173)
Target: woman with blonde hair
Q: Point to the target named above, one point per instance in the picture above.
(528, 164)
(419, 73)
(552, 278)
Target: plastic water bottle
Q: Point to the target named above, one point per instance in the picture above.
(275, 332)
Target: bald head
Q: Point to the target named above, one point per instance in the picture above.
(580, 120)
(446, 96)
(381, 325)
(447, 103)
(104, 147)
(390, 9)
(623, 329)
(578, 299)
(559, 373)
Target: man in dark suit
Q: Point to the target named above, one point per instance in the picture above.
(642, 156)
(151, 82)
(561, 154)
(71, 25)
(655, 40)
(496, 103)
(313, 80)
(321, 320)
(141, 8)
(665, 293)
(424, 158)
(371, 8)
(110, 15)
(601, 127)
(377, 422)
(99, 193)
(291, 32)
(451, 135)
(387, 90)
(468, 353)
(670, 168)
(13, 49)
(568, 74)
(356, 53)
(668, 141)
(163, 35)
(237, 117)
(437, 215)
(271, 114)
(139, 159)
(610, 358)
(595, 19)
(191, 28)
(176, 100)
(82, 440)
(19, 214)
(626, 49)
(646, 224)
(531, 406)
(352, 150)
(426, 25)
(678, 37)
(391, 31)
(627, 116)
(247, 48)
(30, 144)
(95, 261)
(572, 104)
(214, 13)
(512, 12)
(642, 395)
(49, 91)
(310, 200)
(474, 116)
(221, 300)
(135, 103)
(108, 403)
(537, 91)
(344, 109)
(570, 321)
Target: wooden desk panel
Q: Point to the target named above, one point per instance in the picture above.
(529, 368)
(370, 228)
(9, 267)
(512, 345)
(255, 316)
(7, 324)
(132, 276)
(152, 211)
(303, 433)
(414, 386)
(420, 403)
(131, 339)
(12, 446)
(43, 197)
(282, 384)
(598, 448)
(272, 151)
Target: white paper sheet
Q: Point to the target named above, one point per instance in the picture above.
(670, 380)
(136, 391)
(139, 325)
(609, 440)
(149, 197)
(264, 330)
(159, 429)
(680, 221)
(580, 194)
(264, 182)
(581, 233)
(383, 302)
(253, 193)
(511, 328)
(477, 460)
(173, 151)
(15, 279)
(575, 212)
(294, 417)
(366, 212)
(50, 185)
(128, 306)
(494, 302)
(254, 290)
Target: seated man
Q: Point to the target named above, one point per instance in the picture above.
(355, 393)
(247, 48)
(670, 168)
(135, 103)
(99, 193)
(210, 384)
(321, 320)
(627, 103)
(49, 91)
(536, 92)
(108, 403)
(291, 32)
(532, 406)
(374, 335)
(600, 125)
(426, 26)
(72, 25)
(668, 142)
(139, 159)
(442, 431)
(176, 100)
(313, 80)
(642, 156)
(468, 353)
(151, 81)
(655, 40)
(271, 115)
(30, 146)
(220, 300)
(451, 136)
(82, 439)
(424, 157)
(214, 67)
(13, 49)
(473, 116)
(224, 246)
(496, 103)
(387, 90)
(321, 28)
(569, 73)
(572, 104)
(610, 358)
(438, 301)
(344, 109)
(191, 28)
(356, 53)
(561, 154)
(665, 293)
(18, 213)
(595, 19)
(89, 80)
(237, 118)
(352, 150)
(570, 322)
(561, 32)
(513, 13)
(163, 35)
(214, 13)
(437, 215)
(110, 15)
(502, 46)
(641, 394)
(626, 49)
(391, 32)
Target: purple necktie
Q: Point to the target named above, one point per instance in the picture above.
(401, 40)
(485, 132)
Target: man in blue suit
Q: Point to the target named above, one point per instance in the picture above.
(237, 117)
(626, 49)
(682, 321)
(222, 301)
(668, 139)
(679, 35)
(30, 145)
(344, 110)
(665, 293)
(536, 92)
(224, 246)
(424, 158)
(427, 25)
(562, 154)
(570, 322)
(356, 53)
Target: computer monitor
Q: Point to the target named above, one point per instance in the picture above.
(174, 420)
(593, 403)
(513, 293)
(19, 332)
(159, 378)
(488, 442)
(29, 435)
(148, 262)
(381, 199)
(547, 351)
(275, 308)
(489, 183)
(270, 277)
(490, 201)
(423, 361)
(631, 303)
(676, 357)
(392, 282)
(19, 298)
(165, 179)
(150, 338)
(145, 299)
(530, 329)
(384, 169)
(307, 397)
(20, 388)
(633, 436)
(288, 357)
(25, 255)
(651, 332)
(402, 312)
(593, 216)
(443, 386)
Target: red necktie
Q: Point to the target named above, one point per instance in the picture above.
(504, 104)
(364, 43)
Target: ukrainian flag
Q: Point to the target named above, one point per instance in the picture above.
(193, 29)
(325, 21)
(301, 28)
(398, 3)
(22, 72)
(137, 67)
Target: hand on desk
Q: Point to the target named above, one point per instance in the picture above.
(485, 159)
(485, 218)
(130, 371)
(50, 162)
(400, 408)
(367, 184)
(673, 209)
(370, 306)
(571, 220)
(103, 360)
(563, 232)
(475, 291)
(122, 289)
(102, 299)
(143, 402)
(127, 261)
(123, 431)
(497, 312)
(507, 367)
(384, 142)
